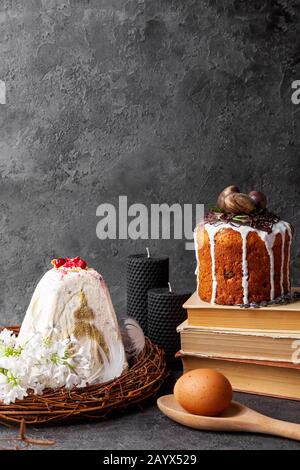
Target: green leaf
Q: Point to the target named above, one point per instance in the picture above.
(241, 218)
(214, 209)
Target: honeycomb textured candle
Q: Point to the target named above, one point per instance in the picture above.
(144, 273)
(165, 313)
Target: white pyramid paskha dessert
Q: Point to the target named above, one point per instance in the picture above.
(73, 300)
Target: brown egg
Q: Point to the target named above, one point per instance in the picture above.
(239, 203)
(204, 392)
(229, 190)
(259, 199)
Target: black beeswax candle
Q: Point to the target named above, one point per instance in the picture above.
(165, 313)
(144, 272)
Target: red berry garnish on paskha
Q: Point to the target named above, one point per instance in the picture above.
(82, 264)
(58, 262)
(68, 264)
(76, 262)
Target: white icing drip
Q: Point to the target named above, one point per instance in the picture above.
(269, 242)
(267, 238)
(289, 230)
(282, 262)
(196, 250)
(245, 268)
(211, 234)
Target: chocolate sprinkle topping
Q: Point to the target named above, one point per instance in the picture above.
(263, 220)
(284, 299)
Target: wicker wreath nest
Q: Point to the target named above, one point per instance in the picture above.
(141, 381)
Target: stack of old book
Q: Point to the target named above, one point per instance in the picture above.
(258, 349)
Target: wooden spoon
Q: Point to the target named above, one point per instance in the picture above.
(236, 417)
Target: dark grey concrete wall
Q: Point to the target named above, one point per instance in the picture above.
(163, 101)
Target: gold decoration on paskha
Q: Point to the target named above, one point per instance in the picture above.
(84, 327)
(84, 312)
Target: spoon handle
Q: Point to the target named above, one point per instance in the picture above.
(277, 427)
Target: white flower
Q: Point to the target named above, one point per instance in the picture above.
(72, 380)
(7, 362)
(37, 388)
(13, 393)
(40, 363)
(7, 338)
(3, 379)
(10, 388)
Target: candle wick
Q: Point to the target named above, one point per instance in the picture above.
(170, 287)
(148, 252)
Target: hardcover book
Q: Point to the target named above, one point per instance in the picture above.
(272, 317)
(277, 379)
(263, 345)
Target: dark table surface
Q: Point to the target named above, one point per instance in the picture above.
(148, 429)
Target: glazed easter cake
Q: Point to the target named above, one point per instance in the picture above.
(242, 251)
